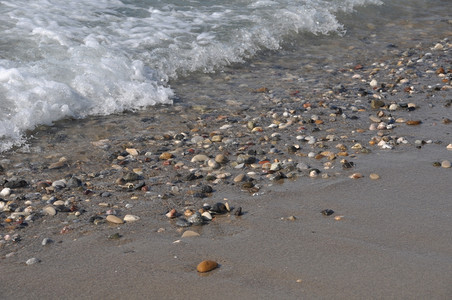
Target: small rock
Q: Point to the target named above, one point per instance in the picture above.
(172, 214)
(327, 212)
(114, 219)
(131, 218)
(5, 192)
(132, 151)
(240, 178)
(445, 164)
(200, 158)
(49, 210)
(190, 233)
(34, 260)
(238, 212)
(181, 222)
(220, 158)
(46, 241)
(375, 104)
(413, 122)
(206, 266)
(165, 156)
(356, 175)
(196, 219)
(374, 176)
(207, 216)
(219, 208)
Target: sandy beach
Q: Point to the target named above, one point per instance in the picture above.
(296, 151)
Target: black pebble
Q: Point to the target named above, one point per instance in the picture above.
(327, 212)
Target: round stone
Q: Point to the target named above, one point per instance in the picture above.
(220, 158)
(206, 266)
(165, 156)
(49, 210)
(445, 164)
(114, 219)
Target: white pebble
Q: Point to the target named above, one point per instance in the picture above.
(5, 192)
(373, 83)
(32, 261)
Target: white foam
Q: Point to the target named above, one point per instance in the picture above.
(76, 58)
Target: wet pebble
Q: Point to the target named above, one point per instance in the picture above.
(114, 219)
(46, 241)
(445, 164)
(190, 233)
(196, 219)
(131, 218)
(218, 208)
(181, 222)
(327, 212)
(206, 266)
(32, 261)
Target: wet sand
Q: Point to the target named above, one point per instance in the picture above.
(393, 242)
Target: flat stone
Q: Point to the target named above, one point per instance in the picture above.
(58, 203)
(35, 260)
(190, 233)
(131, 218)
(200, 158)
(239, 178)
(206, 266)
(413, 122)
(374, 176)
(132, 151)
(114, 219)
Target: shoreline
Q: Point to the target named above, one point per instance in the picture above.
(276, 151)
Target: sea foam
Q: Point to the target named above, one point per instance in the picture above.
(62, 59)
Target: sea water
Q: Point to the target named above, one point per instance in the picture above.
(72, 59)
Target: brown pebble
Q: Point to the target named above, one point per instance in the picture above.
(114, 219)
(413, 122)
(356, 175)
(165, 156)
(206, 266)
(374, 176)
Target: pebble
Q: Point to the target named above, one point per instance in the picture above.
(356, 175)
(114, 219)
(32, 261)
(49, 210)
(413, 122)
(449, 147)
(131, 218)
(445, 164)
(200, 158)
(190, 233)
(181, 222)
(240, 178)
(206, 266)
(165, 156)
(46, 241)
(327, 212)
(132, 151)
(220, 158)
(374, 176)
(206, 215)
(5, 192)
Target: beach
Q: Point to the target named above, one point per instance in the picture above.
(339, 163)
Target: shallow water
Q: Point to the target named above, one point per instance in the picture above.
(76, 74)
